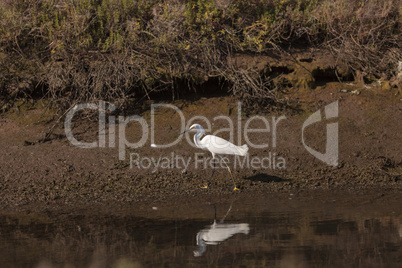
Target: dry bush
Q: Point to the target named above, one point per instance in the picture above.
(366, 35)
(116, 50)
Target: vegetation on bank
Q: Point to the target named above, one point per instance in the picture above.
(80, 50)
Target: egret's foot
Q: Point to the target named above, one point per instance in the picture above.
(236, 189)
(204, 187)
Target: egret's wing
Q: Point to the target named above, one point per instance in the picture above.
(218, 145)
(221, 232)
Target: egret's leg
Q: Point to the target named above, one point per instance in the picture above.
(227, 213)
(230, 172)
(209, 181)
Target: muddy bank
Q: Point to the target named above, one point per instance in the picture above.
(36, 175)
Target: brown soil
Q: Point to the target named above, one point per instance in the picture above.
(56, 175)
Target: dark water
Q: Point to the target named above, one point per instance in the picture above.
(264, 239)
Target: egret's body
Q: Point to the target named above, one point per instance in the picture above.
(217, 146)
(217, 233)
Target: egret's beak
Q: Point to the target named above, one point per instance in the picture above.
(185, 131)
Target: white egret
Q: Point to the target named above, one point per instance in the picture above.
(218, 232)
(217, 146)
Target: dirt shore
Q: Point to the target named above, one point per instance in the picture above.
(58, 175)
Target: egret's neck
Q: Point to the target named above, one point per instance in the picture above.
(197, 138)
(202, 247)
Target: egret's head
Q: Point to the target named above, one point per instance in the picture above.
(196, 128)
(197, 253)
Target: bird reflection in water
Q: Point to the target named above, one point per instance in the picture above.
(218, 232)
